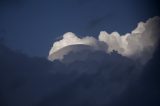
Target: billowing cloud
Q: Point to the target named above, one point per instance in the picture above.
(70, 39)
(36, 81)
(99, 79)
(139, 44)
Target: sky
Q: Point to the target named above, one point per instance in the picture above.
(31, 26)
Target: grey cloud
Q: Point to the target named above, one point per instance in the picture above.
(36, 81)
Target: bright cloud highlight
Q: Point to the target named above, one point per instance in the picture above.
(138, 45)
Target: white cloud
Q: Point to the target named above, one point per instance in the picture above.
(139, 44)
(70, 38)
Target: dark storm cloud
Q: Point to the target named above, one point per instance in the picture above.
(144, 91)
(99, 79)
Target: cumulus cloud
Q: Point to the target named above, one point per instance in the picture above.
(100, 79)
(36, 81)
(139, 44)
(70, 39)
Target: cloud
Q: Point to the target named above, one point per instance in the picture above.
(99, 79)
(138, 45)
(69, 39)
(36, 81)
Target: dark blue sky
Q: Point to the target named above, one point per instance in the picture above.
(32, 26)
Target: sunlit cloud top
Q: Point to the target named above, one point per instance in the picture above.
(138, 45)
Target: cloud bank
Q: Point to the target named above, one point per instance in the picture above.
(39, 82)
(138, 45)
(102, 78)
